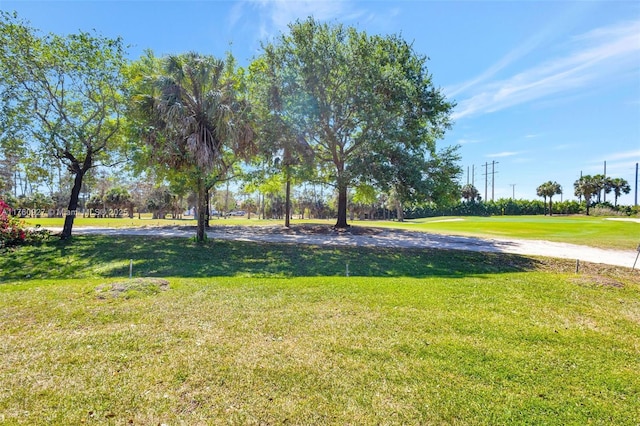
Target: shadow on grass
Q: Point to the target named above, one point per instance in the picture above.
(108, 256)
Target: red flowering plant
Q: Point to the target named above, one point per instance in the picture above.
(13, 231)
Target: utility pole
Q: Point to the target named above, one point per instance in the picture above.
(636, 200)
(473, 174)
(486, 177)
(513, 190)
(580, 193)
(604, 191)
(493, 176)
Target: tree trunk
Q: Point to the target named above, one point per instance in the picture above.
(550, 207)
(208, 212)
(399, 211)
(73, 205)
(342, 206)
(202, 210)
(287, 202)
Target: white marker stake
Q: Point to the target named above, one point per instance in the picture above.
(130, 268)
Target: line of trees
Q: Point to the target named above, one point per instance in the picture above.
(323, 104)
(595, 187)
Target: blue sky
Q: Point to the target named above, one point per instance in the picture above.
(546, 89)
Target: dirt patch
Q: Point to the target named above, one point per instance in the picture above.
(551, 264)
(330, 230)
(597, 281)
(135, 287)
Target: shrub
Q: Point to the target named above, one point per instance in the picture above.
(603, 209)
(13, 231)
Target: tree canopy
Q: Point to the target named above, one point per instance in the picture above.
(67, 91)
(366, 106)
(548, 190)
(587, 186)
(188, 110)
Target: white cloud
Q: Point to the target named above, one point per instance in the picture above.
(466, 141)
(503, 154)
(276, 15)
(602, 54)
(628, 155)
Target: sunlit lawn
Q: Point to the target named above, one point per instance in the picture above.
(590, 231)
(255, 334)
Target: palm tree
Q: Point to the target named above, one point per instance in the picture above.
(541, 192)
(603, 185)
(587, 186)
(549, 189)
(469, 192)
(619, 187)
(197, 123)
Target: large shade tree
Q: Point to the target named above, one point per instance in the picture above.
(189, 110)
(70, 87)
(366, 106)
(282, 147)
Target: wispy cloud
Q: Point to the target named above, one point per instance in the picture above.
(275, 15)
(564, 147)
(467, 141)
(503, 154)
(619, 164)
(604, 53)
(627, 155)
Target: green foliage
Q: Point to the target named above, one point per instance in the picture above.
(161, 201)
(588, 187)
(68, 89)
(189, 112)
(503, 206)
(13, 232)
(365, 106)
(548, 190)
(470, 193)
(619, 186)
(33, 204)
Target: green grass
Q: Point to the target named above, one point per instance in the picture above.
(582, 230)
(519, 348)
(251, 333)
(107, 256)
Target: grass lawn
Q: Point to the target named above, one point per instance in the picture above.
(249, 333)
(582, 230)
